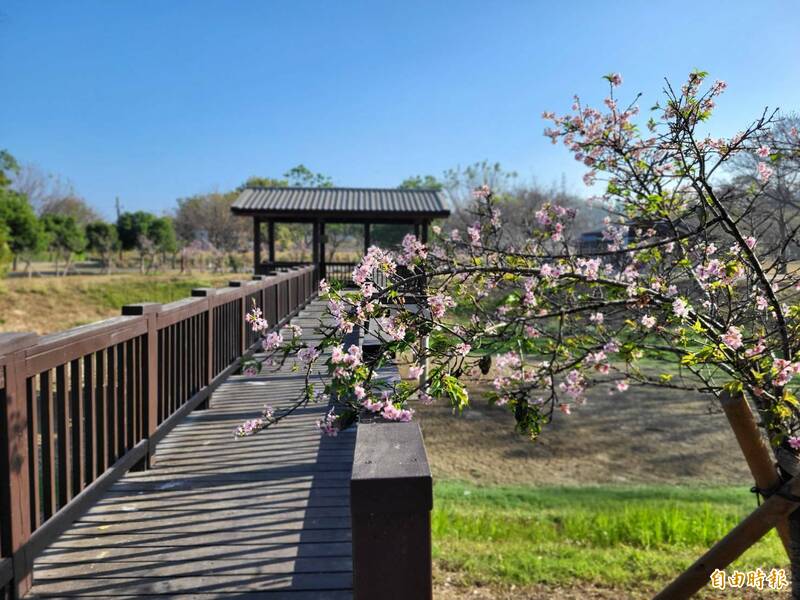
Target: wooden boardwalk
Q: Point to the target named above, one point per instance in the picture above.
(218, 517)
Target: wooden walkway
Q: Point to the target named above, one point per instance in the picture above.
(218, 517)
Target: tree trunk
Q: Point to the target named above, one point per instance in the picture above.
(14, 263)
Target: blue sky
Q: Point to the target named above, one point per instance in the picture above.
(154, 100)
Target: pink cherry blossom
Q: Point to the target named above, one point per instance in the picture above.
(324, 287)
(308, 355)
(328, 425)
(764, 172)
(392, 413)
(681, 308)
(439, 303)
(272, 341)
(425, 398)
(732, 338)
(462, 349)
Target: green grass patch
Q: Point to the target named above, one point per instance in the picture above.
(606, 535)
(115, 292)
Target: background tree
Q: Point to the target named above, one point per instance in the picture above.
(102, 238)
(135, 233)
(781, 196)
(65, 239)
(132, 226)
(70, 206)
(460, 182)
(5, 252)
(207, 218)
(25, 235)
(40, 187)
(416, 182)
(302, 176)
(162, 234)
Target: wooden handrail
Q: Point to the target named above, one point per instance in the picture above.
(81, 407)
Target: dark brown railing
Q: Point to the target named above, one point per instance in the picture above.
(331, 271)
(80, 408)
(341, 272)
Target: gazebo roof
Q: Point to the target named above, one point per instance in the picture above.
(357, 203)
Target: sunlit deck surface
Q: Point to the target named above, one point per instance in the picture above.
(218, 517)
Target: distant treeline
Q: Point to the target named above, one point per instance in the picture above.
(42, 216)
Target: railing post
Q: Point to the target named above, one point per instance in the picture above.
(208, 294)
(391, 497)
(150, 311)
(242, 313)
(15, 505)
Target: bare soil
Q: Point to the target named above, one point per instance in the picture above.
(447, 591)
(643, 435)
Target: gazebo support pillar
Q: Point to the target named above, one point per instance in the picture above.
(271, 232)
(367, 240)
(256, 244)
(321, 235)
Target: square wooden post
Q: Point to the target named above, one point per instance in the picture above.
(367, 238)
(209, 294)
(391, 497)
(149, 310)
(15, 505)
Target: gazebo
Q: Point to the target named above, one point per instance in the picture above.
(319, 207)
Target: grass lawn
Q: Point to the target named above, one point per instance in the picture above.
(50, 304)
(630, 537)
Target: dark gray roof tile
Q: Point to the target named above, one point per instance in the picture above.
(421, 202)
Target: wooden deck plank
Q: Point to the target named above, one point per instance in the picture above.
(139, 584)
(66, 554)
(264, 517)
(191, 567)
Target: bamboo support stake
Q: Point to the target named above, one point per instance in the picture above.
(755, 450)
(774, 509)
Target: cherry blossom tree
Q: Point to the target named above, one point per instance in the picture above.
(689, 289)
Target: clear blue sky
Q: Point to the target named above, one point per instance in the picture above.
(153, 100)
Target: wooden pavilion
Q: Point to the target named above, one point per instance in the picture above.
(323, 206)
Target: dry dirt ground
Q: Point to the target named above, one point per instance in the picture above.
(455, 592)
(644, 435)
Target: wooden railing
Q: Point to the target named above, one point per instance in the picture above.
(80, 408)
(340, 271)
